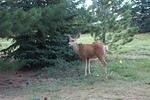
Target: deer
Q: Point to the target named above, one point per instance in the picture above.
(89, 52)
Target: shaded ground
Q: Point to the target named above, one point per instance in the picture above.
(28, 86)
(106, 93)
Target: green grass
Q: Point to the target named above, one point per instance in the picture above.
(128, 70)
(139, 46)
(86, 39)
(4, 43)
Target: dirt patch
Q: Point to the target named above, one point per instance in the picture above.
(14, 79)
(19, 80)
(13, 85)
(106, 93)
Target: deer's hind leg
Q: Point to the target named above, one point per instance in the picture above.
(104, 66)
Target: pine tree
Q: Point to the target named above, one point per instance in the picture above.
(39, 30)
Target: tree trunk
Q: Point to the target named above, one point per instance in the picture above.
(104, 35)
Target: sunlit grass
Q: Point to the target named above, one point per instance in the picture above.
(4, 43)
(140, 45)
(86, 39)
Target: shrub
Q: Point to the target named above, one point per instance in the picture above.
(43, 53)
(5, 65)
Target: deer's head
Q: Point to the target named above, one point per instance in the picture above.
(73, 41)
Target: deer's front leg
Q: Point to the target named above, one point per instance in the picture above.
(86, 66)
(104, 69)
(89, 67)
(104, 66)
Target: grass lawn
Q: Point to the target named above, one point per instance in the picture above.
(139, 46)
(128, 80)
(4, 43)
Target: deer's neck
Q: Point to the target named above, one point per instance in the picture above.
(76, 48)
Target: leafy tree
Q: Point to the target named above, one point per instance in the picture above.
(112, 21)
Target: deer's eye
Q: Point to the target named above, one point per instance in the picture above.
(72, 40)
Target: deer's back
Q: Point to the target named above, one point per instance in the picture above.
(91, 50)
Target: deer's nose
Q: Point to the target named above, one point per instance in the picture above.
(69, 44)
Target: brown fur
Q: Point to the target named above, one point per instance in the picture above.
(91, 51)
(87, 52)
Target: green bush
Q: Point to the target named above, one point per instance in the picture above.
(6, 65)
(43, 53)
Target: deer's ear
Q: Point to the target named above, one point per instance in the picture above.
(69, 36)
(78, 35)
